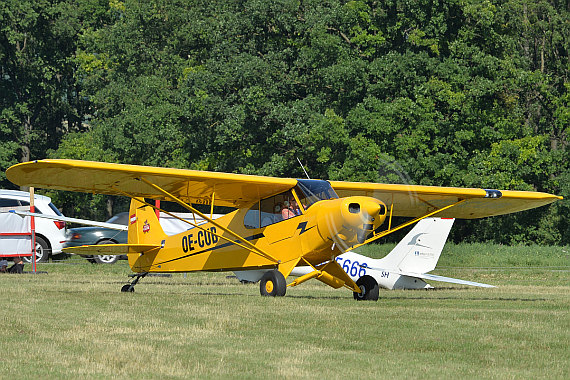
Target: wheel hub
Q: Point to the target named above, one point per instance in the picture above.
(269, 286)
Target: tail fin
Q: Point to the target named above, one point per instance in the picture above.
(419, 250)
(144, 227)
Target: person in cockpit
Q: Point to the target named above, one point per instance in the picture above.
(290, 208)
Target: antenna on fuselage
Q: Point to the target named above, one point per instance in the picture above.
(302, 167)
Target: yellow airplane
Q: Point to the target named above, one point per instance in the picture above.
(278, 223)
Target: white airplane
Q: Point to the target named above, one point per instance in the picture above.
(405, 267)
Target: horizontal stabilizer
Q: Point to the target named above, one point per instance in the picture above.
(433, 277)
(110, 249)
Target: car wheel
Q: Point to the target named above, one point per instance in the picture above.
(105, 259)
(43, 251)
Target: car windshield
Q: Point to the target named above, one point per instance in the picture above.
(311, 191)
(120, 218)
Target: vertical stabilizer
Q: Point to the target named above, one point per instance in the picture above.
(144, 227)
(419, 250)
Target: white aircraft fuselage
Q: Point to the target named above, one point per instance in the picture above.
(405, 267)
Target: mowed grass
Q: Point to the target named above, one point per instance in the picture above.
(74, 322)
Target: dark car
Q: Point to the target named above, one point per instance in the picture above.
(99, 235)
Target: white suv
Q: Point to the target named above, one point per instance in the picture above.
(50, 234)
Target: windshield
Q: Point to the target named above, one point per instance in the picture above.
(311, 191)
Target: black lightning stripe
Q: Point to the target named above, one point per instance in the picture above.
(303, 227)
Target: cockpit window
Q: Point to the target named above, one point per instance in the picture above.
(272, 210)
(311, 191)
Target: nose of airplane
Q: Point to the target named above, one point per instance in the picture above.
(363, 215)
(349, 220)
(365, 208)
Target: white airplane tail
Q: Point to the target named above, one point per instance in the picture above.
(419, 250)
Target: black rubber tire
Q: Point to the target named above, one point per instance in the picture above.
(127, 288)
(369, 287)
(273, 284)
(43, 251)
(105, 259)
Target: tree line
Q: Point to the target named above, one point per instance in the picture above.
(469, 93)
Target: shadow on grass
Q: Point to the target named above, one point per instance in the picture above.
(304, 296)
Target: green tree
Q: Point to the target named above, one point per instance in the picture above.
(40, 100)
(451, 93)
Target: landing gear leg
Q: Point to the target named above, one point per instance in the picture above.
(130, 287)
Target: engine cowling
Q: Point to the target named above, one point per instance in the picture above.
(347, 221)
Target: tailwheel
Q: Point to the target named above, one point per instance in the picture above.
(369, 288)
(273, 284)
(130, 287)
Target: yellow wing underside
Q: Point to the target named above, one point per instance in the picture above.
(239, 190)
(414, 201)
(192, 186)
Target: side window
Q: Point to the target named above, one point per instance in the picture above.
(303, 198)
(9, 202)
(272, 210)
(251, 219)
(27, 204)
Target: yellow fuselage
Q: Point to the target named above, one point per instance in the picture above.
(320, 233)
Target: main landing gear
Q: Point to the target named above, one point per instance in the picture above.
(369, 287)
(273, 284)
(130, 287)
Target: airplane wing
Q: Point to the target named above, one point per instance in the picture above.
(238, 190)
(415, 201)
(192, 186)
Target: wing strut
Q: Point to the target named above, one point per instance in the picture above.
(410, 222)
(186, 221)
(248, 245)
(331, 273)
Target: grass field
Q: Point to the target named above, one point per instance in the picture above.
(74, 322)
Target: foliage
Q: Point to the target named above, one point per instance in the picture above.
(452, 93)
